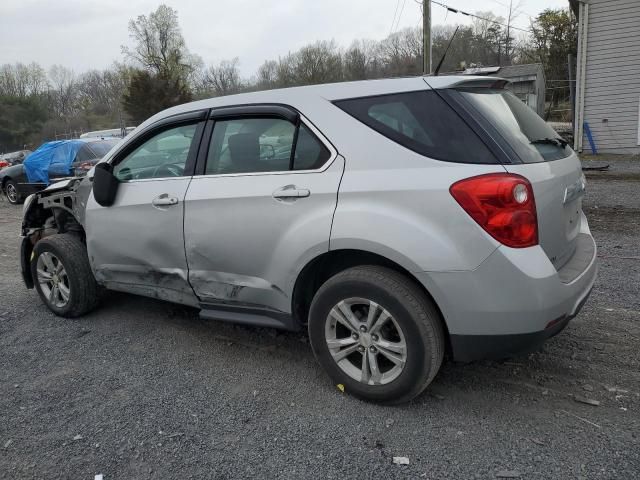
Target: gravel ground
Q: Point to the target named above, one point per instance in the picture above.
(144, 389)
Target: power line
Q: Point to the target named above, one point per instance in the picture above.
(514, 13)
(394, 17)
(400, 14)
(455, 10)
(396, 21)
(517, 9)
(500, 3)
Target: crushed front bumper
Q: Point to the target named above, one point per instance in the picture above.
(26, 248)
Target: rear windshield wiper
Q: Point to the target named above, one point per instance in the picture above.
(557, 141)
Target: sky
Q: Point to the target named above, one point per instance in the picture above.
(86, 34)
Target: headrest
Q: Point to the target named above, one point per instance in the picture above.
(245, 150)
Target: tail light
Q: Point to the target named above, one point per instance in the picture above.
(4, 163)
(503, 205)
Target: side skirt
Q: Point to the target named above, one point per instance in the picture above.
(258, 317)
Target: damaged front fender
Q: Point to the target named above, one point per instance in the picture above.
(57, 209)
(57, 199)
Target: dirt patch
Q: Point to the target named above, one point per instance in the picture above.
(629, 177)
(618, 218)
(609, 158)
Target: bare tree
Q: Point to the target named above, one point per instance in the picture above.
(359, 61)
(223, 79)
(100, 91)
(21, 81)
(286, 73)
(489, 39)
(320, 62)
(509, 47)
(63, 91)
(267, 76)
(401, 52)
(37, 79)
(116, 81)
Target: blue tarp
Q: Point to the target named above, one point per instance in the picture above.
(51, 158)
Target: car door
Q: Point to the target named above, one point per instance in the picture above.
(260, 209)
(137, 244)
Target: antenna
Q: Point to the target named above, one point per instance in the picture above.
(435, 74)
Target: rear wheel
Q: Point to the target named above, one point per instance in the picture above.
(62, 275)
(376, 333)
(12, 193)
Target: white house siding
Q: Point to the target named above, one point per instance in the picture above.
(612, 75)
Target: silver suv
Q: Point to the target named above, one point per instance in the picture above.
(397, 220)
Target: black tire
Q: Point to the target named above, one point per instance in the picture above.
(12, 193)
(414, 313)
(83, 289)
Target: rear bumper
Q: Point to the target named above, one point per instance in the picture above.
(513, 301)
(467, 348)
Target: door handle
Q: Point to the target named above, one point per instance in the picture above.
(291, 192)
(164, 200)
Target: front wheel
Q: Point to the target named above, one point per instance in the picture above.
(62, 275)
(376, 333)
(12, 193)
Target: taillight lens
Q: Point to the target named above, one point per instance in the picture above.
(4, 164)
(502, 204)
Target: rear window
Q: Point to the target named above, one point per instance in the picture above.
(422, 122)
(528, 134)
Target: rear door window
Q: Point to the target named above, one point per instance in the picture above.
(249, 145)
(422, 122)
(261, 145)
(310, 153)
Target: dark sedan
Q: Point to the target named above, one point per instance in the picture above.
(13, 158)
(16, 186)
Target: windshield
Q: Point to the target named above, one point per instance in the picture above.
(101, 148)
(526, 132)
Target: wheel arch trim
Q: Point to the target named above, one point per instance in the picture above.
(376, 254)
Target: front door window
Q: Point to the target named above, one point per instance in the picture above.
(163, 155)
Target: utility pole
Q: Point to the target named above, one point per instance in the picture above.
(426, 36)
(572, 91)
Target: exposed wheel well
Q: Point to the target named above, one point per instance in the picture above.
(67, 223)
(49, 221)
(321, 268)
(54, 220)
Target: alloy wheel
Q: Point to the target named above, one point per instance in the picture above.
(11, 192)
(53, 279)
(365, 341)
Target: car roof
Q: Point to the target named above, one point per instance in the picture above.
(13, 154)
(84, 140)
(96, 139)
(329, 91)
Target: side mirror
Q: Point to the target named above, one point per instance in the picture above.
(105, 184)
